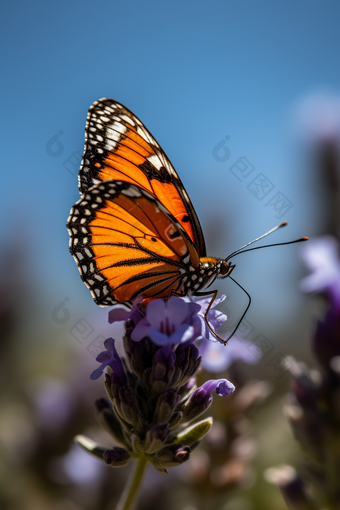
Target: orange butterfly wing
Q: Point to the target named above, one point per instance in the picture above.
(127, 244)
(119, 147)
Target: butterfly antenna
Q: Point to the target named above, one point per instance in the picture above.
(242, 250)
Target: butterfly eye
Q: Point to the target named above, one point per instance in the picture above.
(226, 268)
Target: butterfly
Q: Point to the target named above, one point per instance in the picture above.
(135, 232)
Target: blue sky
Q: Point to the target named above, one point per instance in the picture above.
(193, 72)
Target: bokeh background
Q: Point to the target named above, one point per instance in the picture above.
(261, 76)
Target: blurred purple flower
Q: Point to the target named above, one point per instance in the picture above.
(77, 467)
(317, 116)
(321, 257)
(110, 358)
(164, 322)
(217, 357)
(54, 401)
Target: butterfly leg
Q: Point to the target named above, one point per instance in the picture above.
(212, 293)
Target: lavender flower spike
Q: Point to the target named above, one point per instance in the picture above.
(153, 400)
(110, 358)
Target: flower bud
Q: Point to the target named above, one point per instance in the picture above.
(126, 405)
(155, 437)
(117, 457)
(162, 369)
(176, 419)
(171, 456)
(108, 419)
(187, 362)
(165, 406)
(201, 398)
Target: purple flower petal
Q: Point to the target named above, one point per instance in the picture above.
(120, 314)
(177, 310)
(164, 322)
(156, 313)
(110, 358)
(141, 330)
(181, 335)
(222, 387)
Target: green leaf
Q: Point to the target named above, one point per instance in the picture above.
(194, 433)
(90, 446)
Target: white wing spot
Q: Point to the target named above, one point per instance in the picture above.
(154, 160)
(128, 119)
(132, 192)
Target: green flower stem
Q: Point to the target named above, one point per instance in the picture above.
(131, 489)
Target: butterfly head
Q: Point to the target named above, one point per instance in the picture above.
(212, 268)
(226, 268)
